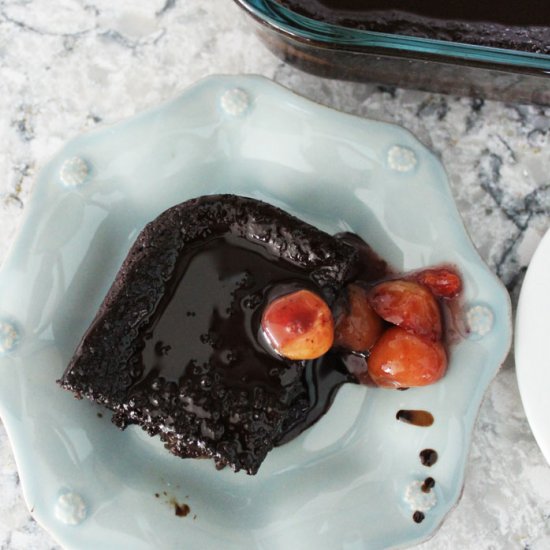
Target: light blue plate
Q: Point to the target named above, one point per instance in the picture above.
(352, 481)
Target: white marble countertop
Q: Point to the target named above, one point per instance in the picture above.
(66, 66)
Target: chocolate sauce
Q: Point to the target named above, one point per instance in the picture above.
(525, 26)
(428, 485)
(428, 457)
(323, 378)
(415, 417)
(369, 266)
(210, 314)
(207, 326)
(418, 517)
(181, 510)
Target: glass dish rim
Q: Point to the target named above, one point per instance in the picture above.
(324, 34)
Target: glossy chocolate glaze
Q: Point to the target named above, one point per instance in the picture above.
(209, 310)
(210, 315)
(323, 378)
(502, 23)
(219, 324)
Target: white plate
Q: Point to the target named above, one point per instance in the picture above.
(532, 345)
(341, 484)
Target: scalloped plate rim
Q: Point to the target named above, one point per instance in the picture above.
(291, 97)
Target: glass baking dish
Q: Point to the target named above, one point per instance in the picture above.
(345, 53)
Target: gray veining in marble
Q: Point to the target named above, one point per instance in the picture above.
(67, 65)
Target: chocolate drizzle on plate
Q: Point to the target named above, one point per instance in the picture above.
(181, 510)
(415, 417)
(418, 517)
(428, 457)
(428, 485)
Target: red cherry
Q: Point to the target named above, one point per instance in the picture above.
(358, 327)
(401, 359)
(299, 325)
(408, 305)
(443, 282)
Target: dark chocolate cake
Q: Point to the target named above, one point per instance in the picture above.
(176, 347)
(505, 24)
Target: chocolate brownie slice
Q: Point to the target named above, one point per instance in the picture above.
(176, 345)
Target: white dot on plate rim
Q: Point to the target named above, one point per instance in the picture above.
(479, 320)
(401, 159)
(9, 336)
(74, 171)
(417, 499)
(70, 508)
(235, 102)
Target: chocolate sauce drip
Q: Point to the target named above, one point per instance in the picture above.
(211, 312)
(428, 485)
(206, 331)
(428, 457)
(415, 417)
(370, 266)
(418, 517)
(323, 377)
